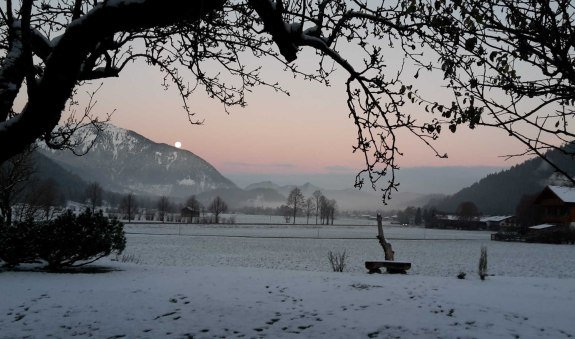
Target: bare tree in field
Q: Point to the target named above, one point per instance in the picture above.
(327, 210)
(14, 173)
(129, 205)
(193, 203)
(332, 209)
(164, 206)
(309, 208)
(217, 207)
(317, 196)
(295, 201)
(323, 210)
(507, 65)
(93, 195)
(467, 211)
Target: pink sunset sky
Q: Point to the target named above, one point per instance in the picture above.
(307, 132)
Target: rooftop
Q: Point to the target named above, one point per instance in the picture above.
(567, 194)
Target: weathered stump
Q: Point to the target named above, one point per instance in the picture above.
(387, 249)
(390, 264)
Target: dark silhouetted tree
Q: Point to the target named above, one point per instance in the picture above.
(508, 64)
(93, 195)
(467, 211)
(505, 64)
(309, 208)
(332, 210)
(14, 174)
(164, 206)
(418, 216)
(193, 203)
(295, 201)
(45, 197)
(327, 210)
(317, 196)
(129, 206)
(430, 216)
(217, 207)
(407, 215)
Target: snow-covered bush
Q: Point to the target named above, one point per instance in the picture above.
(66, 241)
(18, 242)
(71, 240)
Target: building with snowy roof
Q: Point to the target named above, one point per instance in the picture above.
(497, 222)
(557, 205)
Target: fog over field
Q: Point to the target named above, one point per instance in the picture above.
(424, 180)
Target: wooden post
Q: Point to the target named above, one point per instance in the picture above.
(387, 249)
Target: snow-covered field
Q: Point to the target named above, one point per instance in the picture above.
(274, 282)
(442, 253)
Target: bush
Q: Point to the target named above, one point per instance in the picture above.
(130, 258)
(71, 240)
(337, 260)
(66, 241)
(482, 269)
(18, 243)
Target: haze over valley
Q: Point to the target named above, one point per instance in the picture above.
(123, 161)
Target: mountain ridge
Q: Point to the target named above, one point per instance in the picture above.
(125, 161)
(499, 193)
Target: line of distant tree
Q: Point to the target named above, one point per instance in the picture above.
(29, 198)
(23, 196)
(467, 212)
(318, 206)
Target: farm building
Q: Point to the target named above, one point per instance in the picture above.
(189, 214)
(557, 205)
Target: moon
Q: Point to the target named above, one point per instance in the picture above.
(178, 144)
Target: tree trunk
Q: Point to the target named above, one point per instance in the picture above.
(46, 102)
(387, 249)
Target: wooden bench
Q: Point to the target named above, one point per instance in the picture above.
(391, 266)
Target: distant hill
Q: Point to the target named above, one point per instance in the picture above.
(124, 161)
(71, 185)
(499, 193)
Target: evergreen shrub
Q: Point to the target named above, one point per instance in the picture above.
(71, 240)
(67, 241)
(18, 242)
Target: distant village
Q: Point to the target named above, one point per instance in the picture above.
(547, 217)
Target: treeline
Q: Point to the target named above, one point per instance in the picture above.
(316, 209)
(317, 205)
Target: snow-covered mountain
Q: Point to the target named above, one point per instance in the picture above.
(124, 161)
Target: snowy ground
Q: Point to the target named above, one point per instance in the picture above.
(442, 253)
(231, 285)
